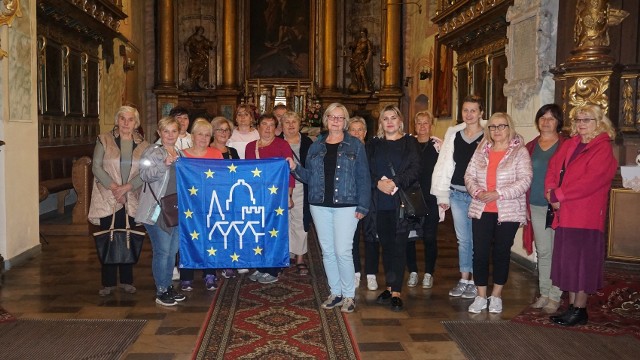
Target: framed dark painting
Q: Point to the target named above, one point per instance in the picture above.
(279, 33)
(443, 80)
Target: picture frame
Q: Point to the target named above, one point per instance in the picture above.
(442, 80)
(278, 39)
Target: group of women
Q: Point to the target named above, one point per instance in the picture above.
(482, 170)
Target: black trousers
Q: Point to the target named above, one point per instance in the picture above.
(430, 237)
(394, 248)
(495, 239)
(110, 272)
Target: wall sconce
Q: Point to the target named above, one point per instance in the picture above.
(128, 63)
(425, 73)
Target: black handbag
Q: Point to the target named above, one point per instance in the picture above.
(551, 213)
(412, 205)
(168, 208)
(119, 246)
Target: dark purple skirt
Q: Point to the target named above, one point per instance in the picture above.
(578, 260)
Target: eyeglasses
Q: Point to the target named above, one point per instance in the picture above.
(223, 130)
(497, 127)
(334, 117)
(583, 121)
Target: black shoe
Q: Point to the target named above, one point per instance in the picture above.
(175, 295)
(165, 299)
(384, 298)
(396, 303)
(563, 316)
(577, 317)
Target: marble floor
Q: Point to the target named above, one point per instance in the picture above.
(63, 283)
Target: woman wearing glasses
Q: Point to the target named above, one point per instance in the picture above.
(222, 130)
(497, 178)
(577, 187)
(337, 174)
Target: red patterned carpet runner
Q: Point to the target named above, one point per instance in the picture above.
(282, 320)
(614, 310)
(5, 316)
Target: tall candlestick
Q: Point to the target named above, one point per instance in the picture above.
(312, 86)
(258, 86)
(246, 88)
(298, 88)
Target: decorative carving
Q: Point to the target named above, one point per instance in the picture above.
(198, 47)
(590, 90)
(361, 53)
(9, 10)
(591, 30)
(627, 103)
(463, 57)
(463, 15)
(529, 24)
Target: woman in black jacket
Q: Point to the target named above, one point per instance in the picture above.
(394, 163)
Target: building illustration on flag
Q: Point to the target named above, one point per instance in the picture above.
(233, 213)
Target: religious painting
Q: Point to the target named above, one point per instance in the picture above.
(279, 33)
(443, 80)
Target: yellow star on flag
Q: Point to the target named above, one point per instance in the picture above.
(279, 211)
(188, 214)
(235, 257)
(194, 235)
(257, 251)
(209, 173)
(256, 172)
(212, 251)
(232, 168)
(273, 233)
(273, 189)
(193, 190)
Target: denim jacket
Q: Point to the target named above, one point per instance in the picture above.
(352, 182)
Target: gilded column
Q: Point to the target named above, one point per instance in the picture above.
(329, 45)
(392, 44)
(230, 52)
(166, 78)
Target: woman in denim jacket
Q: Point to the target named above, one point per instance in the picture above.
(336, 172)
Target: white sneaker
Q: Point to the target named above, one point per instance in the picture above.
(372, 283)
(176, 274)
(413, 279)
(255, 276)
(459, 289)
(357, 279)
(470, 292)
(427, 282)
(478, 305)
(495, 305)
(243, 271)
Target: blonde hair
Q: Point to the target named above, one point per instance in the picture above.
(603, 124)
(357, 119)
(129, 109)
(291, 115)
(202, 124)
(248, 110)
(396, 110)
(166, 121)
(219, 120)
(512, 127)
(332, 107)
(423, 114)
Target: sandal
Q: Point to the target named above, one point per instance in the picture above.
(302, 269)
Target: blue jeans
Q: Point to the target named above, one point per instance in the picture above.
(165, 247)
(460, 202)
(335, 228)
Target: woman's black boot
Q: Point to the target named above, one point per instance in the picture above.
(563, 316)
(577, 317)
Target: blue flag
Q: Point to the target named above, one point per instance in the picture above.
(233, 213)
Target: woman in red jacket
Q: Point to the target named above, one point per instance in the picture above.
(577, 187)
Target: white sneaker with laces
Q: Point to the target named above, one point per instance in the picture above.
(495, 305)
(413, 279)
(478, 305)
(372, 283)
(176, 274)
(357, 279)
(427, 282)
(255, 276)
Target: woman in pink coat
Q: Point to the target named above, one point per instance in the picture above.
(497, 178)
(577, 187)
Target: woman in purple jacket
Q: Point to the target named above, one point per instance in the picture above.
(497, 178)
(577, 187)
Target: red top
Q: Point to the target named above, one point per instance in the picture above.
(492, 168)
(211, 153)
(279, 148)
